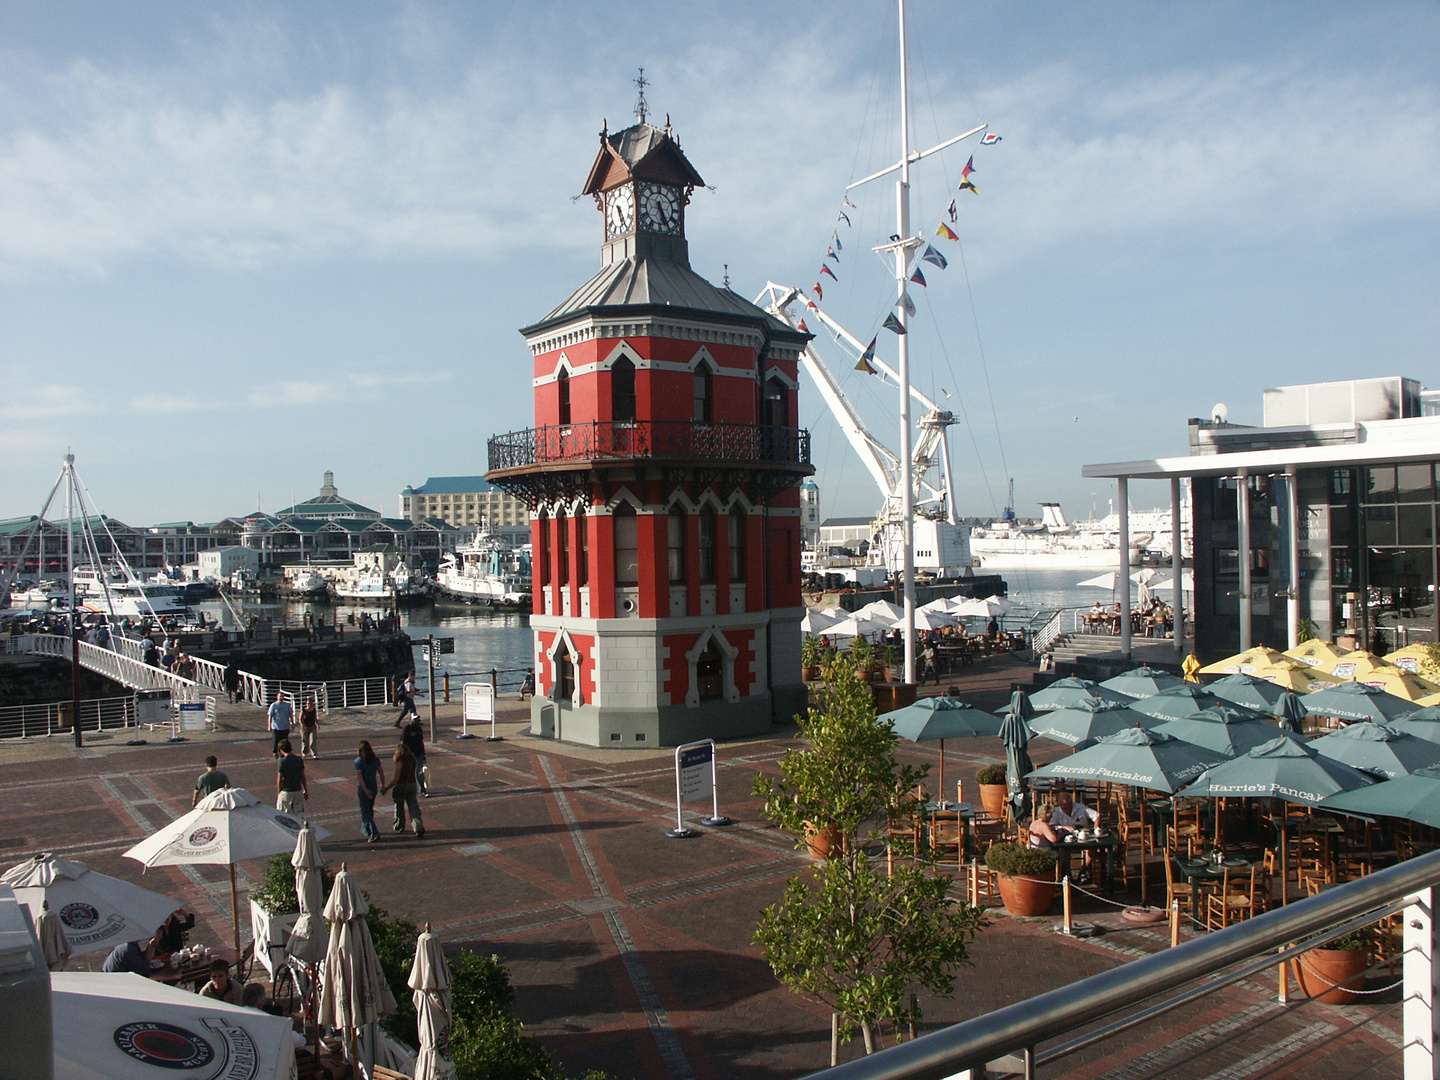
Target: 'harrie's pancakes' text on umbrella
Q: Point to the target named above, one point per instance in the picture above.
(1281, 769)
(1248, 690)
(1223, 729)
(228, 826)
(1378, 748)
(1356, 701)
(940, 718)
(1187, 699)
(95, 911)
(430, 979)
(1069, 691)
(1082, 724)
(1016, 736)
(1142, 682)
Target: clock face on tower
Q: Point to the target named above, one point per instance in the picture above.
(619, 211)
(660, 208)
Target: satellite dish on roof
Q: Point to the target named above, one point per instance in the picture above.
(1220, 413)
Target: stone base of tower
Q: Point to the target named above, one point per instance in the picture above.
(635, 729)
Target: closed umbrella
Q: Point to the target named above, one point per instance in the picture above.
(1184, 700)
(1280, 769)
(1412, 797)
(1065, 692)
(1016, 736)
(941, 718)
(93, 911)
(308, 939)
(1190, 668)
(1082, 724)
(51, 936)
(1142, 682)
(1244, 662)
(1356, 701)
(1290, 711)
(430, 979)
(1245, 689)
(228, 826)
(1378, 748)
(354, 995)
(1222, 729)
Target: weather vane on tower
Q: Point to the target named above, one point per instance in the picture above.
(641, 108)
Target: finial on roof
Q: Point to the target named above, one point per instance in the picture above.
(642, 110)
(667, 123)
(604, 130)
(726, 279)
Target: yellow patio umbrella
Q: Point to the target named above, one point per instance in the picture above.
(1293, 675)
(1400, 683)
(1429, 699)
(1244, 662)
(1315, 653)
(1360, 665)
(1416, 660)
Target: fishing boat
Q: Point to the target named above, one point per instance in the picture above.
(376, 580)
(486, 571)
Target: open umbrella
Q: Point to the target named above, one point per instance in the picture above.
(1378, 748)
(1142, 682)
(1360, 665)
(1412, 797)
(128, 1027)
(1423, 723)
(927, 620)
(430, 979)
(984, 607)
(941, 718)
(1183, 700)
(1280, 769)
(817, 622)
(1247, 690)
(1064, 692)
(1290, 711)
(1222, 729)
(1415, 659)
(94, 911)
(1016, 736)
(1293, 675)
(355, 994)
(880, 611)
(1243, 662)
(1100, 581)
(1315, 653)
(1084, 723)
(228, 826)
(1356, 701)
(1399, 683)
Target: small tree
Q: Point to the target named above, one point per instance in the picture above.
(845, 932)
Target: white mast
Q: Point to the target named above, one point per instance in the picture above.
(902, 260)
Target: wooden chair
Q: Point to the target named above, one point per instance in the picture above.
(985, 830)
(382, 1073)
(982, 884)
(947, 836)
(1182, 891)
(1185, 830)
(1235, 902)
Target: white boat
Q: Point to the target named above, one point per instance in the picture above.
(373, 584)
(1006, 544)
(486, 571)
(42, 596)
(110, 592)
(309, 583)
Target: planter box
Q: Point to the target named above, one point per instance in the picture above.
(993, 797)
(891, 696)
(270, 933)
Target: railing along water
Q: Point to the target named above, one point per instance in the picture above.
(53, 717)
(1411, 887)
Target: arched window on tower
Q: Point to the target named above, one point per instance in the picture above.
(622, 391)
(562, 385)
(707, 545)
(582, 550)
(775, 415)
(627, 545)
(542, 554)
(736, 521)
(562, 548)
(703, 386)
(675, 523)
(565, 676)
(709, 674)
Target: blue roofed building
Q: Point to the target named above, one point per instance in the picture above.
(467, 502)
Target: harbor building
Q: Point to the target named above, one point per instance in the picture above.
(1324, 517)
(662, 482)
(468, 502)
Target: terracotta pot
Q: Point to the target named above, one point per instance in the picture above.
(892, 674)
(1026, 896)
(810, 673)
(1331, 976)
(822, 842)
(992, 797)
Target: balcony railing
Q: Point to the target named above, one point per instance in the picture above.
(681, 440)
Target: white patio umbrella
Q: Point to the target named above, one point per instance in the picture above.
(93, 911)
(927, 620)
(984, 606)
(354, 995)
(817, 622)
(430, 979)
(228, 826)
(855, 626)
(880, 609)
(128, 1027)
(1101, 581)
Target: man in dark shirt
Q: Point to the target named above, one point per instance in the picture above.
(130, 956)
(412, 737)
(291, 791)
(211, 780)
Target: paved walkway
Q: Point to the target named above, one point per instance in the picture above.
(631, 952)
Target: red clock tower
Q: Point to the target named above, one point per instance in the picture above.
(662, 475)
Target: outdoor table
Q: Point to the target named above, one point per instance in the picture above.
(196, 970)
(1107, 844)
(948, 811)
(1204, 873)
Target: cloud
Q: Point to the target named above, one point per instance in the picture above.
(21, 401)
(166, 403)
(353, 388)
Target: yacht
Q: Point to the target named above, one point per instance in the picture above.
(486, 571)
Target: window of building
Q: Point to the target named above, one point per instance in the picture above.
(562, 547)
(562, 384)
(627, 546)
(565, 676)
(709, 675)
(622, 390)
(1380, 525)
(582, 552)
(1223, 507)
(675, 523)
(1413, 483)
(776, 411)
(737, 545)
(542, 553)
(707, 546)
(1341, 485)
(701, 393)
(1380, 484)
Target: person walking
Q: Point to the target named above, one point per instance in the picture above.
(404, 786)
(211, 780)
(280, 714)
(291, 790)
(369, 779)
(405, 698)
(412, 737)
(309, 725)
(231, 678)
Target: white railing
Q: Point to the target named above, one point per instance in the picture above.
(53, 717)
(1047, 635)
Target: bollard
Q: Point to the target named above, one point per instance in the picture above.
(1065, 890)
(1174, 923)
(446, 677)
(495, 683)
(1284, 980)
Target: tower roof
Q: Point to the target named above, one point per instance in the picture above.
(642, 151)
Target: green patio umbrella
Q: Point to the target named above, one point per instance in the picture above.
(1422, 723)
(1413, 797)
(1084, 723)
(1142, 682)
(1247, 690)
(1222, 728)
(1187, 699)
(1016, 736)
(1378, 748)
(1065, 692)
(1356, 701)
(940, 718)
(1280, 769)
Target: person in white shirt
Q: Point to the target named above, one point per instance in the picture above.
(1068, 817)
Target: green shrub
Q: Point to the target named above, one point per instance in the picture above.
(275, 892)
(991, 774)
(1016, 860)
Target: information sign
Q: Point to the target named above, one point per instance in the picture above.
(478, 704)
(695, 772)
(152, 707)
(192, 716)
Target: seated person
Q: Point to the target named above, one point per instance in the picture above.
(133, 956)
(170, 937)
(254, 997)
(1070, 815)
(221, 986)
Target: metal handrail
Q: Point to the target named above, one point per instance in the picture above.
(650, 439)
(1022, 1026)
(1046, 636)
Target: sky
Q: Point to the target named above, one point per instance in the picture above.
(244, 243)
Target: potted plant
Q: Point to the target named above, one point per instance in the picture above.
(890, 658)
(1334, 973)
(862, 655)
(811, 657)
(1027, 876)
(993, 788)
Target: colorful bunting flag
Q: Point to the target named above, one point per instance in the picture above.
(802, 327)
(966, 184)
(845, 216)
(933, 256)
(969, 167)
(826, 270)
(917, 277)
(864, 365)
(866, 357)
(989, 139)
(907, 304)
(836, 238)
(947, 232)
(892, 323)
(830, 254)
(817, 290)
(848, 203)
(811, 305)
(953, 213)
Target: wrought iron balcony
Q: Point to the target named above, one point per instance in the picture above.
(601, 442)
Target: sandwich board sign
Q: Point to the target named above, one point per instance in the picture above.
(192, 716)
(152, 707)
(478, 704)
(695, 780)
